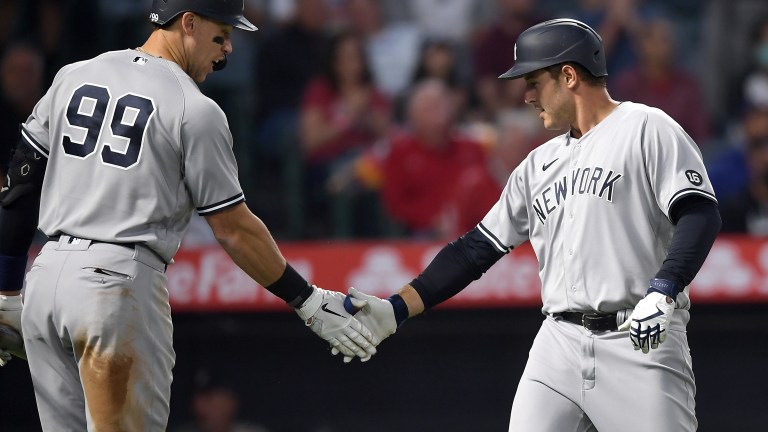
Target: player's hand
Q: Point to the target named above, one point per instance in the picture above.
(376, 314)
(649, 321)
(324, 313)
(10, 316)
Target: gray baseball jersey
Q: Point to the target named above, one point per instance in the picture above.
(596, 209)
(133, 147)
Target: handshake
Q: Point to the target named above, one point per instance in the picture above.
(354, 324)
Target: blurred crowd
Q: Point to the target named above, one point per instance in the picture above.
(385, 118)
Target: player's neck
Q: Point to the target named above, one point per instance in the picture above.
(162, 46)
(590, 111)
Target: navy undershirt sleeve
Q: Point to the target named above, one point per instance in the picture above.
(455, 266)
(697, 221)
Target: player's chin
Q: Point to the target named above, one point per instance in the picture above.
(552, 125)
(199, 78)
(549, 122)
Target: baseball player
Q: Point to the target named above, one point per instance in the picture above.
(621, 215)
(119, 152)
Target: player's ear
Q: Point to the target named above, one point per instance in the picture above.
(569, 75)
(188, 22)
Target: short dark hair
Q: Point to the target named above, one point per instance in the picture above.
(331, 52)
(581, 71)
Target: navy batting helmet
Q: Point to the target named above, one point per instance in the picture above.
(226, 11)
(558, 41)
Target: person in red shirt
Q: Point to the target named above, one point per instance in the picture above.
(342, 115)
(426, 163)
(491, 53)
(659, 80)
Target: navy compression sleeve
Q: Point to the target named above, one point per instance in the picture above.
(19, 208)
(455, 266)
(697, 222)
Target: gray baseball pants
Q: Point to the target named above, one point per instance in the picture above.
(98, 334)
(578, 381)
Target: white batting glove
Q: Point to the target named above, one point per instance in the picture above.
(376, 314)
(324, 313)
(649, 321)
(10, 317)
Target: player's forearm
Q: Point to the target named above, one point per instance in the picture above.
(251, 247)
(248, 241)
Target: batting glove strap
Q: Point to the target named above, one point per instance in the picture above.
(311, 305)
(663, 286)
(399, 307)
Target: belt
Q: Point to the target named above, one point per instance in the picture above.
(590, 321)
(128, 245)
(154, 259)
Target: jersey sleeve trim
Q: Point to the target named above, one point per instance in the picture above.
(34, 144)
(221, 205)
(690, 191)
(493, 239)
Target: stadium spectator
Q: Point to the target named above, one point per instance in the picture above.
(480, 186)
(286, 60)
(426, 163)
(726, 51)
(492, 56)
(741, 178)
(617, 22)
(285, 63)
(438, 59)
(392, 47)
(756, 82)
(216, 405)
(729, 170)
(455, 20)
(342, 115)
(22, 70)
(659, 80)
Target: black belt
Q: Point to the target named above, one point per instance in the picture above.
(590, 321)
(128, 245)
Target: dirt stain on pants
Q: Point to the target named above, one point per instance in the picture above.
(106, 380)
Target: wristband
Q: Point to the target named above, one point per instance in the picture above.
(663, 286)
(291, 287)
(12, 269)
(399, 307)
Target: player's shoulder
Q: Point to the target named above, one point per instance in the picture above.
(550, 147)
(634, 111)
(202, 110)
(543, 153)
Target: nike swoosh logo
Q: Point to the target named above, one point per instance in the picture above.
(325, 308)
(547, 165)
